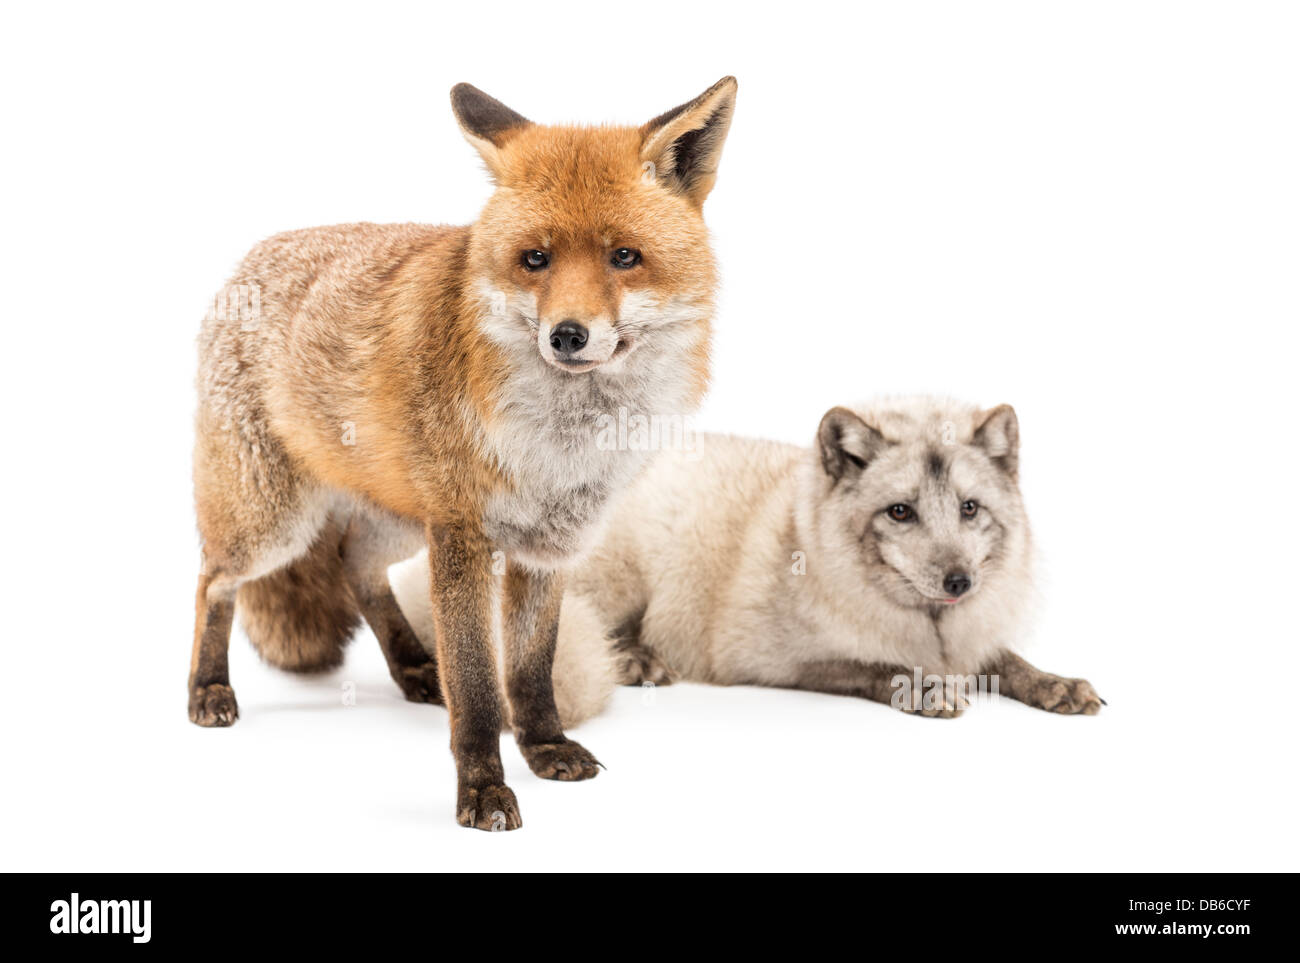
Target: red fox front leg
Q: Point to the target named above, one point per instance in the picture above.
(212, 700)
(530, 621)
(463, 599)
(371, 542)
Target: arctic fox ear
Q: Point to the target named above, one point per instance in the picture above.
(998, 432)
(685, 144)
(485, 122)
(848, 444)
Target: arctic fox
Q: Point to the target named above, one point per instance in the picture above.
(891, 561)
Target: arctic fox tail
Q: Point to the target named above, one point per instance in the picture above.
(584, 674)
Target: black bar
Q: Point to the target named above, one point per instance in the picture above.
(924, 909)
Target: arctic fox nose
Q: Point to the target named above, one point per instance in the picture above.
(568, 337)
(956, 584)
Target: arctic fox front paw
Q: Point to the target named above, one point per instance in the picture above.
(941, 699)
(1066, 696)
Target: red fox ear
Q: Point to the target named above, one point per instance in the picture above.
(848, 444)
(997, 431)
(485, 121)
(684, 144)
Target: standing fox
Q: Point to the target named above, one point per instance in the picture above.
(407, 388)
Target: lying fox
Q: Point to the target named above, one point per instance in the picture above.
(898, 546)
(408, 388)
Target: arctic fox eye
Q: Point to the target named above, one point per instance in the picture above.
(969, 509)
(625, 257)
(901, 513)
(535, 260)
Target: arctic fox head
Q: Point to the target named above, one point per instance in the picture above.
(923, 495)
(593, 247)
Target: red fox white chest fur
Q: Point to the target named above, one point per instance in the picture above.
(408, 384)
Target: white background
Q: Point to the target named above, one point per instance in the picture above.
(1087, 210)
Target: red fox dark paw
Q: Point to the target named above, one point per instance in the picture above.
(491, 808)
(565, 761)
(213, 706)
(419, 683)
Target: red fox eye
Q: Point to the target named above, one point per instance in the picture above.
(535, 260)
(901, 513)
(969, 509)
(625, 257)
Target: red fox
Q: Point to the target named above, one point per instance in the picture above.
(404, 388)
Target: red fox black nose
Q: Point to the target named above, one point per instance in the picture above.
(956, 584)
(568, 337)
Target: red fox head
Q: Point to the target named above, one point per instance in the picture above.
(594, 244)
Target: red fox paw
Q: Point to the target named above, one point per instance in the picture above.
(490, 808)
(419, 683)
(566, 761)
(213, 706)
